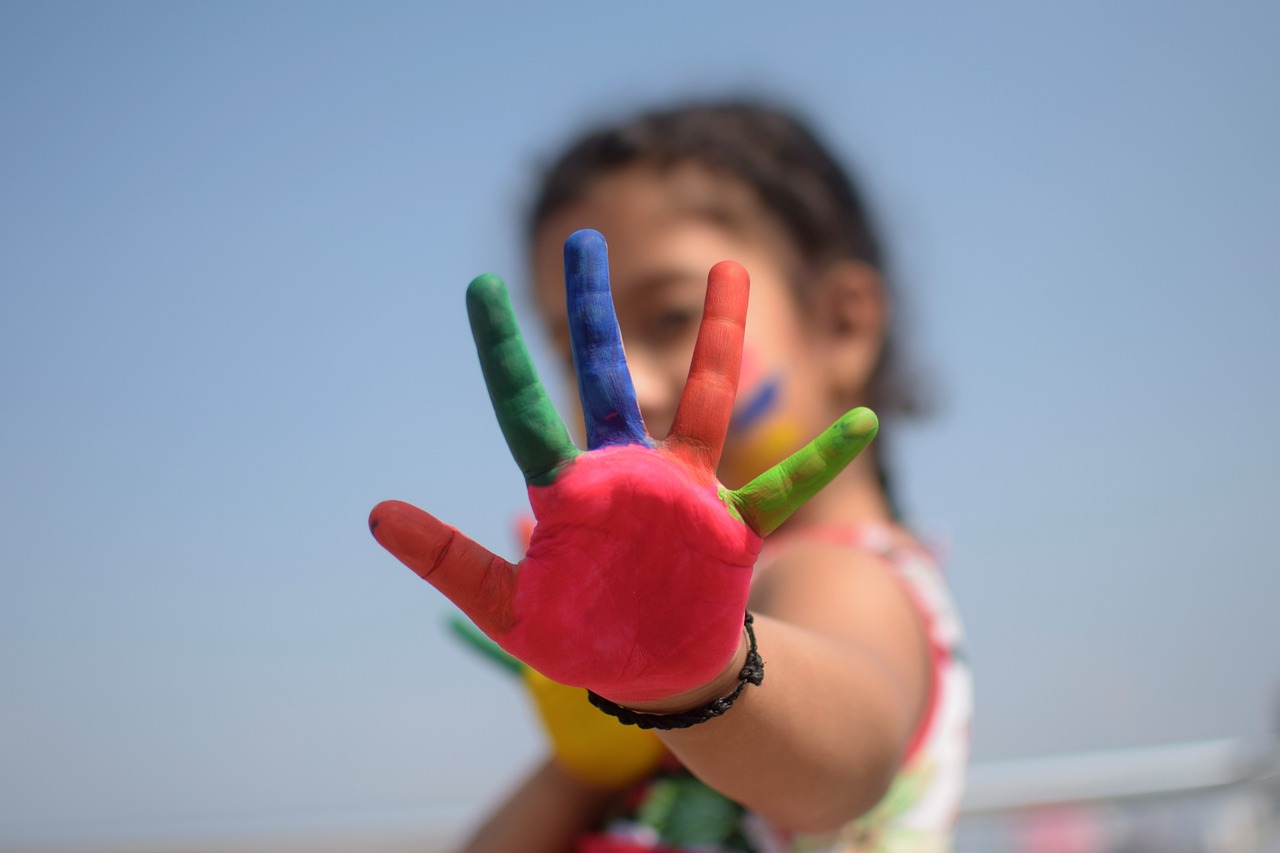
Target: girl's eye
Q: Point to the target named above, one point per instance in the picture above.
(673, 324)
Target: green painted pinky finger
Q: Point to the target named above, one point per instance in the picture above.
(770, 499)
(532, 427)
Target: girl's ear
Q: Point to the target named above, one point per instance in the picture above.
(851, 314)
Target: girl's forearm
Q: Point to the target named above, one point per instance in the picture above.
(816, 744)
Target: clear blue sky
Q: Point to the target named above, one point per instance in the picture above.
(233, 243)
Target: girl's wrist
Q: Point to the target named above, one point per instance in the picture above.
(722, 685)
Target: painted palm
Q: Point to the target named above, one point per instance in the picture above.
(638, 570)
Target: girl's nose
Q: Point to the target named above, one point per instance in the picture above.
(656, 394)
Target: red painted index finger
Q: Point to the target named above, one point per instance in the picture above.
(706, 406)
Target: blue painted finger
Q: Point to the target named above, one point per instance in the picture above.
(604, 383)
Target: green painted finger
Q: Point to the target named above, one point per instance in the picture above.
(475, 638)
(771, 498)
(532, 427)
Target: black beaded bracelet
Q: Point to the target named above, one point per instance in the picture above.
(752, 673)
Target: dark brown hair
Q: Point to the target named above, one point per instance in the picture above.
(770, 151)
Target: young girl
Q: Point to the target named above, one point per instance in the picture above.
(856, 737)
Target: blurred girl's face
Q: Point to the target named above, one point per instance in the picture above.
(665, 230)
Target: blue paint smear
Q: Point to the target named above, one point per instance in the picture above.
(756, 406)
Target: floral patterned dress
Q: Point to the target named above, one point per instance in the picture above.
(673, 812)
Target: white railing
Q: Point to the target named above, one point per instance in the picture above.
(1219, 796)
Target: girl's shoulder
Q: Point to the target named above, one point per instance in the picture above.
(873, 547)
(881, 554)
(880, 539)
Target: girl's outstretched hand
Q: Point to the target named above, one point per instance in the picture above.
(637, 574)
